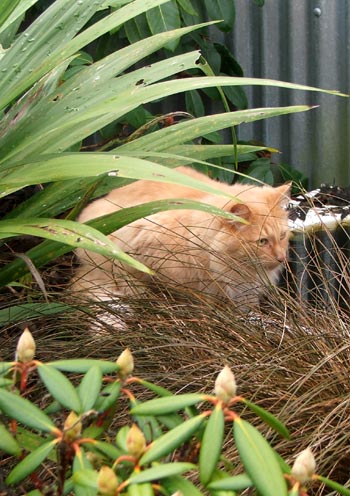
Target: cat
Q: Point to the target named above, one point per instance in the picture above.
(204, 253)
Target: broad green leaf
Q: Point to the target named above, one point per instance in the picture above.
(178, 483)
(5, 367)
(8, 443)
(235, 483)
(267, 417)
(160, 472)
(259, 460)
(109, 396)
(82, 466)
(29, 311)
(144, 489)
(83, 365)
(168, 404)
(211, 445)
(30, 462)
(25, 412)
(60, 387)
(165, 444)
(187, 7)
(164, 18)
(107, 449)
(335, 486)
(5, 382)
(86, 478)
(89, 388)
(218, 9)
(70, 233)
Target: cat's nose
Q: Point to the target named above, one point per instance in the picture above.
(281, 257)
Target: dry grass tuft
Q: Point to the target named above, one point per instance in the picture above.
(292, 358)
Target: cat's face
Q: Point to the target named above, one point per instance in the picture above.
(264, 238)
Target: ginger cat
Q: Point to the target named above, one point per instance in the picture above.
(190, 248)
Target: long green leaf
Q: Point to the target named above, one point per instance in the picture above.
(160, 472)
(165, 444)
(8, 443)
(335, 486)
(267, 417)
(168, 404)
(29, 311)
(70, 233)
(178, 483)
(21, 6)
(188, 130)
(89, 388)
(235, 483)
(6, 9)
(211, 445)
(259, 460)
(30, 463)
(25, 412)
(60, 387)
(83, 365)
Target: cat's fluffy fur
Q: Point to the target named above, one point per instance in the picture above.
(190, 248)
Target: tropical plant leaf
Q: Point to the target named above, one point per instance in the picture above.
(25, 412)
(60, 387)
(29, 311)
(259, 460)
(30, 462)
(211, 445)
(164, 18)
(217, 9)
(165, 444)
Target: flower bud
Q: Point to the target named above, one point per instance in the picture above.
(25, 347)
(135, 442)
(107, 482)
(225, 385)
(126, 363)
(72, 427)
(304, 466)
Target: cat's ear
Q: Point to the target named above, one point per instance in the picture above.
(284, 192)
(240, 210)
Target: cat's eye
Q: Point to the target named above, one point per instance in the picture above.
(262, 242)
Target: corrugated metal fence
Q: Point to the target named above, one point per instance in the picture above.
(307, 42)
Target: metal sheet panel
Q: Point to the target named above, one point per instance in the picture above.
(307, 42)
